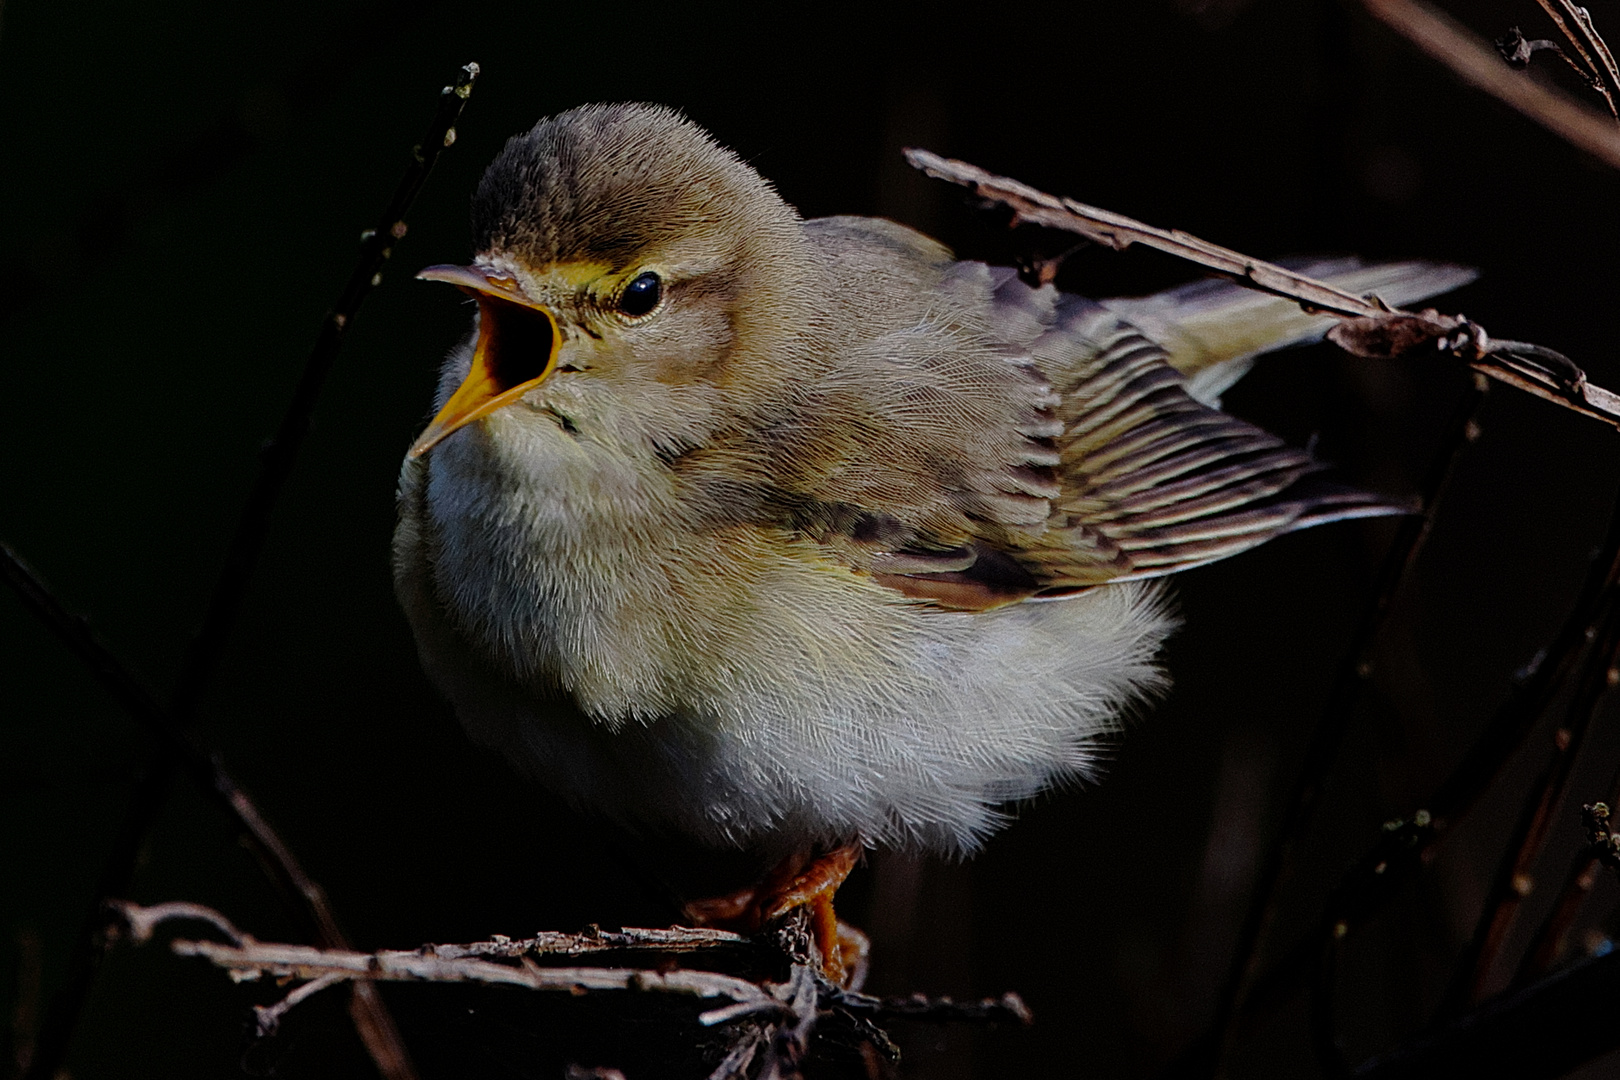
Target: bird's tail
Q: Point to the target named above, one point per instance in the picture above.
(1214, 329)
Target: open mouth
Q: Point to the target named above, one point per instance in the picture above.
(516, 342)
(516, 350)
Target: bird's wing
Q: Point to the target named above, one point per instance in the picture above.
(1023, 442)
(1155, 481)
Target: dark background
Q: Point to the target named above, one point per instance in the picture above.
(182, 188)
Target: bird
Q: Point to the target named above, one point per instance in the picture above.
(805, 537)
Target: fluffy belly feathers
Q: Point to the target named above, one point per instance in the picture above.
(826, 707)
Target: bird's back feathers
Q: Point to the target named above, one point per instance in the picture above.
(1025, 443)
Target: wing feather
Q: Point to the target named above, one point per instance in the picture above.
(994, 442)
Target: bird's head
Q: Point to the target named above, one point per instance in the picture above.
(630, 272)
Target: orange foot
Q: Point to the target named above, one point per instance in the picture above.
(797, 881)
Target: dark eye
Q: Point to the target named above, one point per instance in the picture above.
(641, 295)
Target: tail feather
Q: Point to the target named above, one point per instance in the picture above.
(1214, 329)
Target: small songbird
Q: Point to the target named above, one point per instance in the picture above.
(801, 536)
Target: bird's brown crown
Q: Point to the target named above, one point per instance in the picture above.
(604, 182)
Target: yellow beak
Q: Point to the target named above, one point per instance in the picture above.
(516, 350)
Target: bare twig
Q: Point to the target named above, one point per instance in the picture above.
(252, 959)
(1407, 844)
(1370, 327)
(1514, 878)
(247, 958)
(1602, 849)
(674, 941)
(1589, 45)
(1603, 841)
(1009, 1008)
(1541, 1032)
(1355, 670)
(1473, 60)
(140, 923)
(372, 1021)
(1518, 50)
(774, 1020)
(279, 454)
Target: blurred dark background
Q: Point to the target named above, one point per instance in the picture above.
(183, 186)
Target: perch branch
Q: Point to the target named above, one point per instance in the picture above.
(676, 940)
(1475, 62)
(779, 1017)
(253, 959)
(246, 959)
(1009, 1008)
(1369, 328)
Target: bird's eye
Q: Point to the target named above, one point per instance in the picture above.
(641, 295)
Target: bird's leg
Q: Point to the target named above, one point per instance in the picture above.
(744, 910)
(855, 953)
(814, 887)
(797, 881)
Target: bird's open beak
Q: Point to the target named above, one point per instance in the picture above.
(516, 350)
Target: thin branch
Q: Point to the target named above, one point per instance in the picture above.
(267, 1018)
(210, 774)
(247, 959)
(279, 454)
(773, 1020)
(1601, 838)
(1355, 672)
(1476, 63)
(372, 1020)
(140, 923)
(1119, 232)
(1405, 845)
(1541, 1032)
(1602, 849)
(677, 940)
(253, 959)
(1009, 1008)
(1370, 328)
(1518, 51)
(1589, 45)
(1514, 878)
